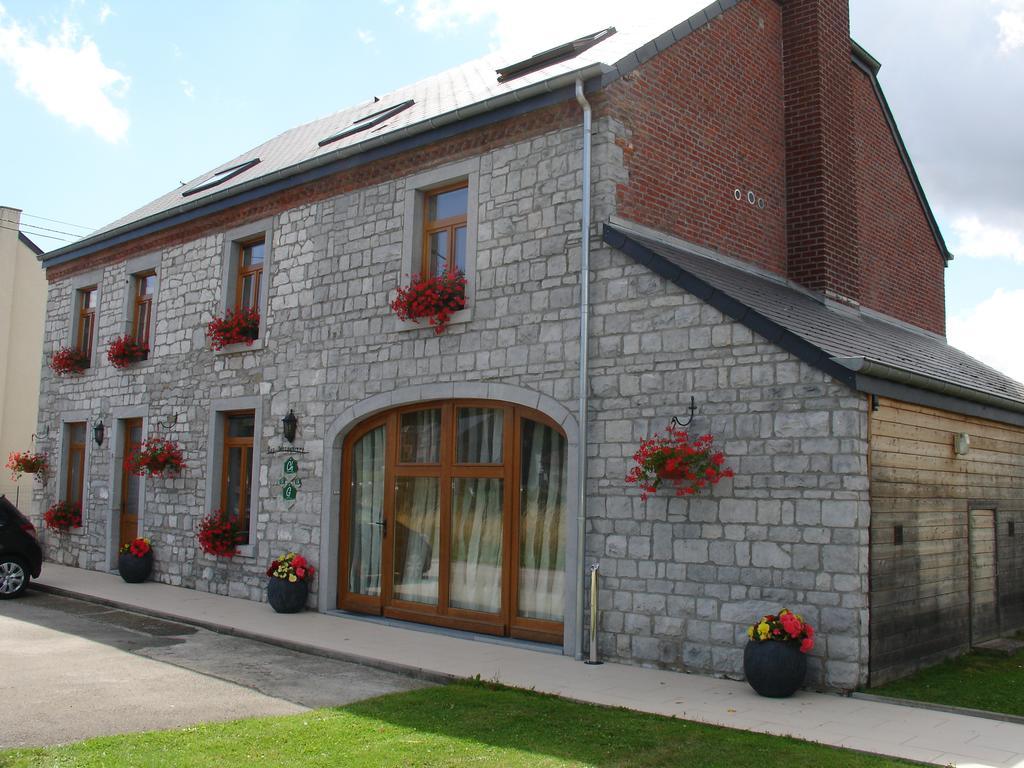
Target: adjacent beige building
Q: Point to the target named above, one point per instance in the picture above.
(22, 310)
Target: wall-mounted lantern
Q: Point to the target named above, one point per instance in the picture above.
(289, 425)
(97, 432)
(961, 444)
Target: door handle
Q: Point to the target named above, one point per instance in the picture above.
(383, 524)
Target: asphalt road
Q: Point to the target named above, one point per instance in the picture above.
(70, 670)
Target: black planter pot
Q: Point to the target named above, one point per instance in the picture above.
(287, 596)
(134, 569)
(773, 668)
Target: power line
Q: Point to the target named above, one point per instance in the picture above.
(58, 221)
(58, 231)
(39, 234)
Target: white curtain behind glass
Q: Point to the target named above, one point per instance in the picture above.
(475, 580)
(542, 507)
(367, 511)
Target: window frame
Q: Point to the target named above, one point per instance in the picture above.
(417, 187)
(83, 312)
(217, 428)
(88, 280)
(449, 225)
(234, 241)
(139, 299)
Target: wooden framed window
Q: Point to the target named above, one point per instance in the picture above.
(236, 467)
(444, 230)
(453, 514)
(142, 306)
(86, 320)
(74, 483)
(250, 274)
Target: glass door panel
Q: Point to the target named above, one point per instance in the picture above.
(419, 440)
(366, 515)
(479, 435)
(417, 552)
(475, 578)
(541, 577)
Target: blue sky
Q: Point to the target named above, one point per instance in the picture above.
(108, 104)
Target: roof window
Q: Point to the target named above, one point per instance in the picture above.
(368, 121)
(554, 55)
(219, 177)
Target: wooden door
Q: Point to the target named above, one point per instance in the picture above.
(130, 484)
(984, 602)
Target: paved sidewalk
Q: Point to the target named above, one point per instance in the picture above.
(889, 729)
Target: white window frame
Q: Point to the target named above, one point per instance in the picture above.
(215, 459)
(234, 239)
(416, 189)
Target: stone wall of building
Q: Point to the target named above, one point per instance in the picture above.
(682, 579)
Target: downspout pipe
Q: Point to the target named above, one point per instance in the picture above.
(584, 383)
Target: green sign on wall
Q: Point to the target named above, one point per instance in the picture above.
(290, 482)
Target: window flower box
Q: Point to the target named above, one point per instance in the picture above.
(688, 465)
(219, 533)
(155, 457)
(435, 299)
(68, 360)
(238, 326)
(63, 516)
(124, 350)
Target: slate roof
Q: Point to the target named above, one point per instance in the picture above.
(819, 331)
(448, 96)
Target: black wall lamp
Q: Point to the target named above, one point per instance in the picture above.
(289, 425)
(97, 432)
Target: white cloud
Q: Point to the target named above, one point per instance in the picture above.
(187, 88)
(1011, 25)
(990, 332)
(365, 37)
(66, 74)
(975, 239)
(105, 13)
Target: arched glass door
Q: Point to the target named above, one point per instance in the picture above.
(452, 514)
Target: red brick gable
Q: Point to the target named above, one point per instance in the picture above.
(705, 118)
(902, 268)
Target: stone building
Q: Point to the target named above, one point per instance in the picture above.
(756, 239)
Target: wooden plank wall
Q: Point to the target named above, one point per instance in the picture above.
(920, 589)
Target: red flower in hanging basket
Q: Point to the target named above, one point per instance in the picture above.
(434, 298)
(156, 457)
(238, 326)
(219, 534)
(63, 516)
(124, 350)
(689, 465)
(26, 463)
(68, 360)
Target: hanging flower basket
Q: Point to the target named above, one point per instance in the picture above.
(433, 298)
(775, 659)
(238, 326)
(155, 457)
(687, 465)
(63, 516)
(27, 463)
(124, 350)
(67, 360)
(219, 533)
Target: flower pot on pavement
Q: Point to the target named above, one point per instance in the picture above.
(774, 668)
(287, 596)
(135, 569)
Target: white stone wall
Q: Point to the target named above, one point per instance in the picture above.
(681, 579)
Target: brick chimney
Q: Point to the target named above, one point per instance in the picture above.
(821, 225)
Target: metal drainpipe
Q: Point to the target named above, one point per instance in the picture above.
(581, 474)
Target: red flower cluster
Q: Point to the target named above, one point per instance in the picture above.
(786, 627)
(218, 534)
(689, 464)
(63, 515)
(155, 457)
(139, 547)
(124, 350)
(26, 463)
(435, 298)
(69, 360)
(291, 567)
(238, 326)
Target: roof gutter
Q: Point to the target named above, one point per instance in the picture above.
(317, 167)
(863, 366)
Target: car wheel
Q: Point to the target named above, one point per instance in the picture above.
(14, 577)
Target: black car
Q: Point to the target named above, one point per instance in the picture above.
(21, 558)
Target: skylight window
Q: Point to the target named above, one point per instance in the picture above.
(554, 55)
(368, 121)
(219, 177)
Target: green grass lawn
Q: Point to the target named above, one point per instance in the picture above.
(462, 724)
(978, 681)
